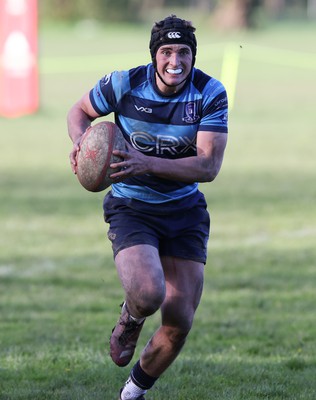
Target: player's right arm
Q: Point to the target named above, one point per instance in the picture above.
(79, 118)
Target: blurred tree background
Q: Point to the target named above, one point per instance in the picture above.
(226, 14)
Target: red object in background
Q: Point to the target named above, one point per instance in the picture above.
(18, 58)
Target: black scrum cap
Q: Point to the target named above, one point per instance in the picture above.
(172, 30)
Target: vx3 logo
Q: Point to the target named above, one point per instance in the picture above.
(144, 109)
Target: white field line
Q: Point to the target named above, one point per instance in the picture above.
(283, 57)
(79, 64)
(264, 237)
(260, 54)
(36, 269)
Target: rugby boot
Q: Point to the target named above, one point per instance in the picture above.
(138, 398)
(124, 338)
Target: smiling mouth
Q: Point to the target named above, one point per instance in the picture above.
(177, 71)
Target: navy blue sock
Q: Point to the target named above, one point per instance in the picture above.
(140, 378)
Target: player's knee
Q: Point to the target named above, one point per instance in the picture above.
(148, 300)
(149, 303)
(177, 335)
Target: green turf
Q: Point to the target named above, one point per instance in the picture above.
(254, 333)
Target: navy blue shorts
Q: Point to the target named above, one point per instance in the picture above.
(172, 230)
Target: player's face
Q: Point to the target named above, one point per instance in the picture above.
(174, 62)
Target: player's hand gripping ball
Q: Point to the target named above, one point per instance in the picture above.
(95, 155)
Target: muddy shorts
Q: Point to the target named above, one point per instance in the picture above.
(178, 232)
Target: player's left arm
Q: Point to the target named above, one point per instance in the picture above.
(210, 152)
(204, 167)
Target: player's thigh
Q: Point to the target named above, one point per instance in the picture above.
(141, 274)
(184, 285)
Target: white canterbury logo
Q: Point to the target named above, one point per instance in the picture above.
(144, 109)
(174, 35)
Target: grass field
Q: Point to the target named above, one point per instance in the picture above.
(255, 334)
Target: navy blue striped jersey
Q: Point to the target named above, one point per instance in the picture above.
(159, 125)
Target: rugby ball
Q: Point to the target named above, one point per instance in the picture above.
(95, 155)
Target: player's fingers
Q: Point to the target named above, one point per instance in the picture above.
(73, 161)
(119, 165)
(120, 153)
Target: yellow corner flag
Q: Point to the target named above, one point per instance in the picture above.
(230, 71)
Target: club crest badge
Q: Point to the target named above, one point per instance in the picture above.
(191, 115)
